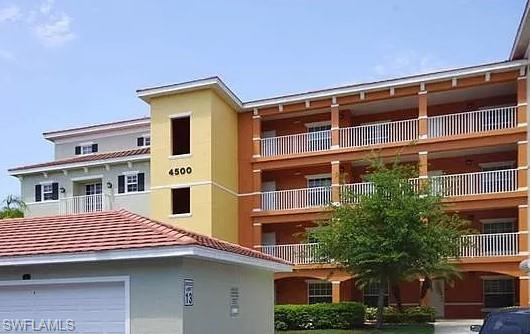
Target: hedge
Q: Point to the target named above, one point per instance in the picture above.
(418, 314)
(319, 316)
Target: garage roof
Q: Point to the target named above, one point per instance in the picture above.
(114, 235)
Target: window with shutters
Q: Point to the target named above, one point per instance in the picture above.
(131, 182)
(143, 141)
(86, 148)
(47, 192)
(180, 135)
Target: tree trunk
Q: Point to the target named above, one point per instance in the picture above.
(396, 292)
(380, 305)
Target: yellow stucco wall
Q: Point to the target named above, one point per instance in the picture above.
(213, 159)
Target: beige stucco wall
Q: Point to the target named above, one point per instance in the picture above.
(156, 293)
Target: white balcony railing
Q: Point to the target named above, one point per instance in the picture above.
(295, 144)
(471, 122)
(498, 244)
(380, 133)
(465, 184)
(295, 198)
(474, 245)
(475, 183)
(295, 253)
(83, 204)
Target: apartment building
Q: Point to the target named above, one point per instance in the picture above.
(260, 173)
(96, 168)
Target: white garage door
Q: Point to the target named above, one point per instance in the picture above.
(87, 307)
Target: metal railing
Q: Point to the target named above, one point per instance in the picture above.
(83, 204)
(295, 253)
(380, 133)
(497, 244)
(295, 144)
(475, 183)
(295, 198)
(471, 122)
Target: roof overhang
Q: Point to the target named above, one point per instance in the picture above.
(52, 136)
(214, 83)
(191, 251)
(522, 39)
(76, 165)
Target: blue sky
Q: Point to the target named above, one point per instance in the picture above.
(72, 63)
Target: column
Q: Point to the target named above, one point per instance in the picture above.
(422, 114)
(522, 220)
(523, 291)
(521, 101)
(256, 134)
(256, 181)
(522, 164)
(335, 182)
(335, 291)
(423, 167)
(335, 126)
(256, 234)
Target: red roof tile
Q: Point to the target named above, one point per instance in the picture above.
(86, 158)
(102, 231)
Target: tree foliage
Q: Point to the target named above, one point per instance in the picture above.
(397, 231)
(12, 207)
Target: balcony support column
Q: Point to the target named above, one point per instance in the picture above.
(335, 182)
(423, 169)
(522, 165)
(521, 101)
(522, 221)
(256, 235)
(256, 178)
(524, 292)
(335, 126)
(422, 115)
(335, 291)
(256, 135)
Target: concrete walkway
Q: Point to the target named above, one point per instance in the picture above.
(454, 326)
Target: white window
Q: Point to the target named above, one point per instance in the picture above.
(371, 294)
(499, 292)
(498, 226)
(144, 141)
(319, 137)
(319, 292)
(47, 192)
(147, 141)
(131, 182)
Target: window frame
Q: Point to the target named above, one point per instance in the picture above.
(376, 294)
(146, 138)
(86, 145)
(127, 183)
(497, 221)
(311, 283)
(499, 293)
(50, 192)
(183, 214)
(186, 114)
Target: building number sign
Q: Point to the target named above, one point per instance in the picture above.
(180, 171)
(188, 292)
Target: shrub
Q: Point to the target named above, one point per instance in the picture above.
(417, 314)
(319, 316)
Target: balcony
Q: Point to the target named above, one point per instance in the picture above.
(474, 245)
(404, 131)
(84, 204)
(452, 185)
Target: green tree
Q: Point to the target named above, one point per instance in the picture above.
(397, 231)
(12, 207)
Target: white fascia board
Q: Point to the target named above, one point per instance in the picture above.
(520, 43)
(67, 166)
(425, 78)
(148, 253)
(215, 83)
(109, 127)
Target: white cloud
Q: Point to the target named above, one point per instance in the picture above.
(10, 13)
(55, 31)
(407, 63)
(46, 6)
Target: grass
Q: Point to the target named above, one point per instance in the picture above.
(397, 329)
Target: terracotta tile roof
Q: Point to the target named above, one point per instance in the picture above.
(86, 158)
(102, 231)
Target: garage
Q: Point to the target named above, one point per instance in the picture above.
(118, 272)
(99, 306)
